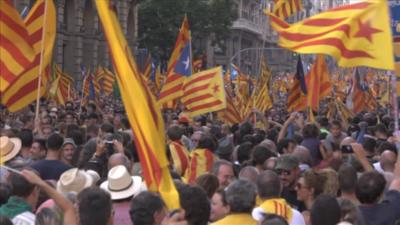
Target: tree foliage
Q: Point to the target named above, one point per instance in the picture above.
(160, 20)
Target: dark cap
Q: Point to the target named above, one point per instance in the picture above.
(287, 162)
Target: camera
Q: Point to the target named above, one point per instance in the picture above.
(347, 149)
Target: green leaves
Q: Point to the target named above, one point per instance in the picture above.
(160, 20)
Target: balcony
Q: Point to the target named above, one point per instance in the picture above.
(244, 24)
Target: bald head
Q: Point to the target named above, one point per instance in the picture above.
(119, 159)
(388, 160)
(347, 141)
(249, 173)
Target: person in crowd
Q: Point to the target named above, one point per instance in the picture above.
(147, 208)
(311, 142)
(219, 206)
(20, 207)
(68, 149)
(179, 153)
(335, 136)
(52, 167)
(268, 188)
(209, 183)
(94, 207)
(259, 155)
(75, 180)
(26, 137)
(273, 219)
(224, 171)
(309, 186)
(241, 199)
(347, 177)
(249, 173)
(287, 167)
(38, 149)
(331, 184)
(325, 210)
(202, 158)
(122, 187)
(286, 146)
(196, 204)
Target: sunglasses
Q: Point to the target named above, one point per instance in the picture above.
(283, 172)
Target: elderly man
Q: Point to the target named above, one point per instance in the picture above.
(241, 198)
(224, 171)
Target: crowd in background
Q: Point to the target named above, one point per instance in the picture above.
(79, 165)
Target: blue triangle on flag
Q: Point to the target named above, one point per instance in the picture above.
(184, 64)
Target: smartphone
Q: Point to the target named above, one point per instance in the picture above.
(347, 149)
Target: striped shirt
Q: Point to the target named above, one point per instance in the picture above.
(26, 218)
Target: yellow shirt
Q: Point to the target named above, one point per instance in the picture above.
(236, 219)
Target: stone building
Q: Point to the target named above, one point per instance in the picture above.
(251, 38)
(80, 40)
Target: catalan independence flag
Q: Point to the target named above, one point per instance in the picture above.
(362, 99)
(23, 90)
(298, 92)
(204, 92)
(179, 66)
(355, 35)
(318, 83)
(141, 109)
(16, 51)
(106, 79)
(285, 8)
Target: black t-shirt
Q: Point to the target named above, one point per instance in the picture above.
(385, 213)
(50, 169)
(291, 197)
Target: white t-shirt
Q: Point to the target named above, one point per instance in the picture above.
(297, 218)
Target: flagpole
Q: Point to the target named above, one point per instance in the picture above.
(41, 63)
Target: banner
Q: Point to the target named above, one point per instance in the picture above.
(395, 23)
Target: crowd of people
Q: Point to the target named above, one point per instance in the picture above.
(79, 165)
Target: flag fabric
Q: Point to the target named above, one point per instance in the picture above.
(355, 35)
(143, 113)
(285, 8)
(318, 83)
(362, 99)
(61, 87)
(16, 51)
(201, 162)
(179, 66)
(231, 115)
(204, 92)
(262, 100)
(24, 88)
(180, 157)
(197, 65)
(298, 92)
(106, 79)
(147, 67)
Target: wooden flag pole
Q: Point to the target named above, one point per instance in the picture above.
(41, 63)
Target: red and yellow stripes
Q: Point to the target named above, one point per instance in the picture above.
(204, 92)
(143, 113)
(285, 8)
(355, 35)
(172, 88)
(297, 95)
(106, 79)
(24, 88)
(201, 162)
(16, 51)
(318, 83)
(180, 157)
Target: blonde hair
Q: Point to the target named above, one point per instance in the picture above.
(331, 185)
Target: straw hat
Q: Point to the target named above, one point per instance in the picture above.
(74, 180)
(120, 184)
(9, 148)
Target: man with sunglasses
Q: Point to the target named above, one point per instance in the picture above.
(287, 167)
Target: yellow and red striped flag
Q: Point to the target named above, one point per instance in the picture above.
(180, 157)
(201, 162)
(355, 35)
(204, 92)
(179, 66)
(106, 79)
(64, 90)
(16, 51)
(24, 89)
(147, 67)
(362, 99)
(285, 8)
(143, 113)
(298, 93)
(318, 83)
(231, 114)
(197, 65)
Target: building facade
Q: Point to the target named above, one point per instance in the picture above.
(251, 39)
(80, 41)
